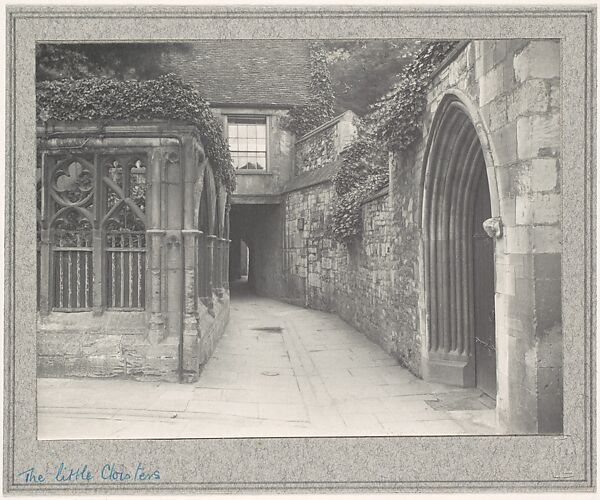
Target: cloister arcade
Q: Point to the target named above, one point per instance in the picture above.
(132, 250)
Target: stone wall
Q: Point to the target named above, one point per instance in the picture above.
(315, 151)
(321, 147)
(81, 345)
(309, 252)
(364, 282)
(510, 91)
(373, 292)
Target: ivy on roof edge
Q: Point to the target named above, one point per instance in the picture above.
(165, 98)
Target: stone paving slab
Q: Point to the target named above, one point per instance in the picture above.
(279, 370)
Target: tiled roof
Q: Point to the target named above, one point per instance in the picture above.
(246, 72)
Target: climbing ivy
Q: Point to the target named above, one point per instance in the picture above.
(320, 108)
(396, 117)
(363, 171)
(394, 124)
(165, 98)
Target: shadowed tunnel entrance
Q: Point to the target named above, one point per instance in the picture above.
(255, 233)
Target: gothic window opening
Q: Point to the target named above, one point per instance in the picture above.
(72, 202)
(72, 251)
(91, 232)
(125, 233)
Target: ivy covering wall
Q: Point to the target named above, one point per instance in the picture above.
(396, 117)
(320, 109)
(165, 98)
(393, 125)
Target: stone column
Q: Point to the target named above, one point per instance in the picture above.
(218, 265)
(211, 243)
(190, 235)
(155, 236)
(45, 283)
(226, 249)
(226, 264)
(156, 323)
(204, 267)
(191, 242)
(174, 284)
(99, 271)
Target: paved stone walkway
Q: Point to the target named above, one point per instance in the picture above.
(279, 370)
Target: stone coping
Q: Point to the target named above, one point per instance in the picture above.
(452, 55)
(312, 178)
(379, 194)
(326, 125)
(58, 126)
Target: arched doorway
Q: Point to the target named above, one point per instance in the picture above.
(458, 256)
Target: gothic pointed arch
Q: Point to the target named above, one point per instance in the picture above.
(72, 199)
(204, 212)
(199, 192)
(457, 190)
(221, 209)
(210, 190)
(206, 219)
(123, 224)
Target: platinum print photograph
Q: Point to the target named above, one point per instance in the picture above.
(299, 238)
(299, 250)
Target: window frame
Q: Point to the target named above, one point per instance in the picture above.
(228, 117)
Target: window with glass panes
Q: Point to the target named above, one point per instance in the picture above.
(248, 142)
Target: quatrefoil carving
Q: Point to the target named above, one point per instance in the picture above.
(73, 184)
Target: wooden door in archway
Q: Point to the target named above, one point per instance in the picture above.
(483, 292)
(458, 257)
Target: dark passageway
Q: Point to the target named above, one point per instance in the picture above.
(255, 250)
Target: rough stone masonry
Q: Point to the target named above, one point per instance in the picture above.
(509, 89)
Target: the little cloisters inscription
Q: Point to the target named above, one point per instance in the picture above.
(65, 473)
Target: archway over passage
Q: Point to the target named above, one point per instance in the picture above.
(458, 255)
